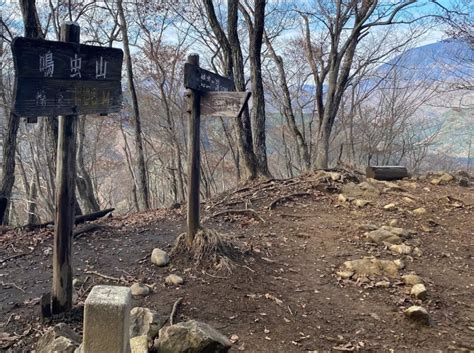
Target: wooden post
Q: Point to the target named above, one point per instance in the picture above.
(61, 300)
(194, 157)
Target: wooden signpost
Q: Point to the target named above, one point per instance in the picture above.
(224, 104)
(209, 94)
(66, 79)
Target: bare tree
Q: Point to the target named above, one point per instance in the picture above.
(141, 168)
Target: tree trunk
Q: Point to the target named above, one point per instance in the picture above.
(32, 30)
(142, 182)
(258, 109)
(243, 125)
(288, 108)
(83, 180)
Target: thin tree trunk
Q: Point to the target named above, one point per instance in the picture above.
(83, 180)
(258, 109)
(288, 108)
(243, 125)
(143, 193)
(32, 30)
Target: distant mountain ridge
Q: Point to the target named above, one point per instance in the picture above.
(445, 60)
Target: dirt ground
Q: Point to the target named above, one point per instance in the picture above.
(283, 295)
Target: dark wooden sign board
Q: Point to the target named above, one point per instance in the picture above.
(203, 80)
(60, 78)
(224, 104)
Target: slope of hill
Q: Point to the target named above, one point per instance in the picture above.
(287, 292)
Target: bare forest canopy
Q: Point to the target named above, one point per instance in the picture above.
(334, 83)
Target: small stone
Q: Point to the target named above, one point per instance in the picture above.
(59, 338)
(159, 257)
(419, 211)
(174, 280)
(401, 249)
(345, 274)
(139, 344)
(412, 279)
(408, 200)
(364, 189)
(192, 337)
(419, 291)
(382, 284)
(419, 314)
(445, 178)
(399, 263)
(398, 231)
(435, 181)
(77, 283)
(144, 321)
(382, 235)
(341, 198)
(367, 227)
(390, 207)
(393, 222)
(361, 203)
(425, 228)
(371, 267)
(417, 252)
(139, 290)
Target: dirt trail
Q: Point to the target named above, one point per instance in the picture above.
(284, 296)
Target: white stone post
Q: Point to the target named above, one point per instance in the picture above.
(107, 320)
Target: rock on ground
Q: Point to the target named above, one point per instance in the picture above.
(361, 202)
(173, 280)
(390, 207)
(419, 291)
(419, 211)
(140, 290)
(372, 267)
(401, 232)
(411, 279)
(381, 235)
(192, 337)
(144, 321)
(59, 338)
(363, 190)
(139, 344)
(401, 249)
(418, 313)
(159, 257)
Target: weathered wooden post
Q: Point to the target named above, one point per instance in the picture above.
(211, 93)
(65, 187)
(194, 156)
(65, 79)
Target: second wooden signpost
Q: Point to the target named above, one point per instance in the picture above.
(209, 94)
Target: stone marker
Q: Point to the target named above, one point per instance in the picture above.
(106, 320)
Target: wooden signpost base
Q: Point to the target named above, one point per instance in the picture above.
(61, 300)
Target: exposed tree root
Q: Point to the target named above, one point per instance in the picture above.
(287, 198)
(250, 211)
(208, 248)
